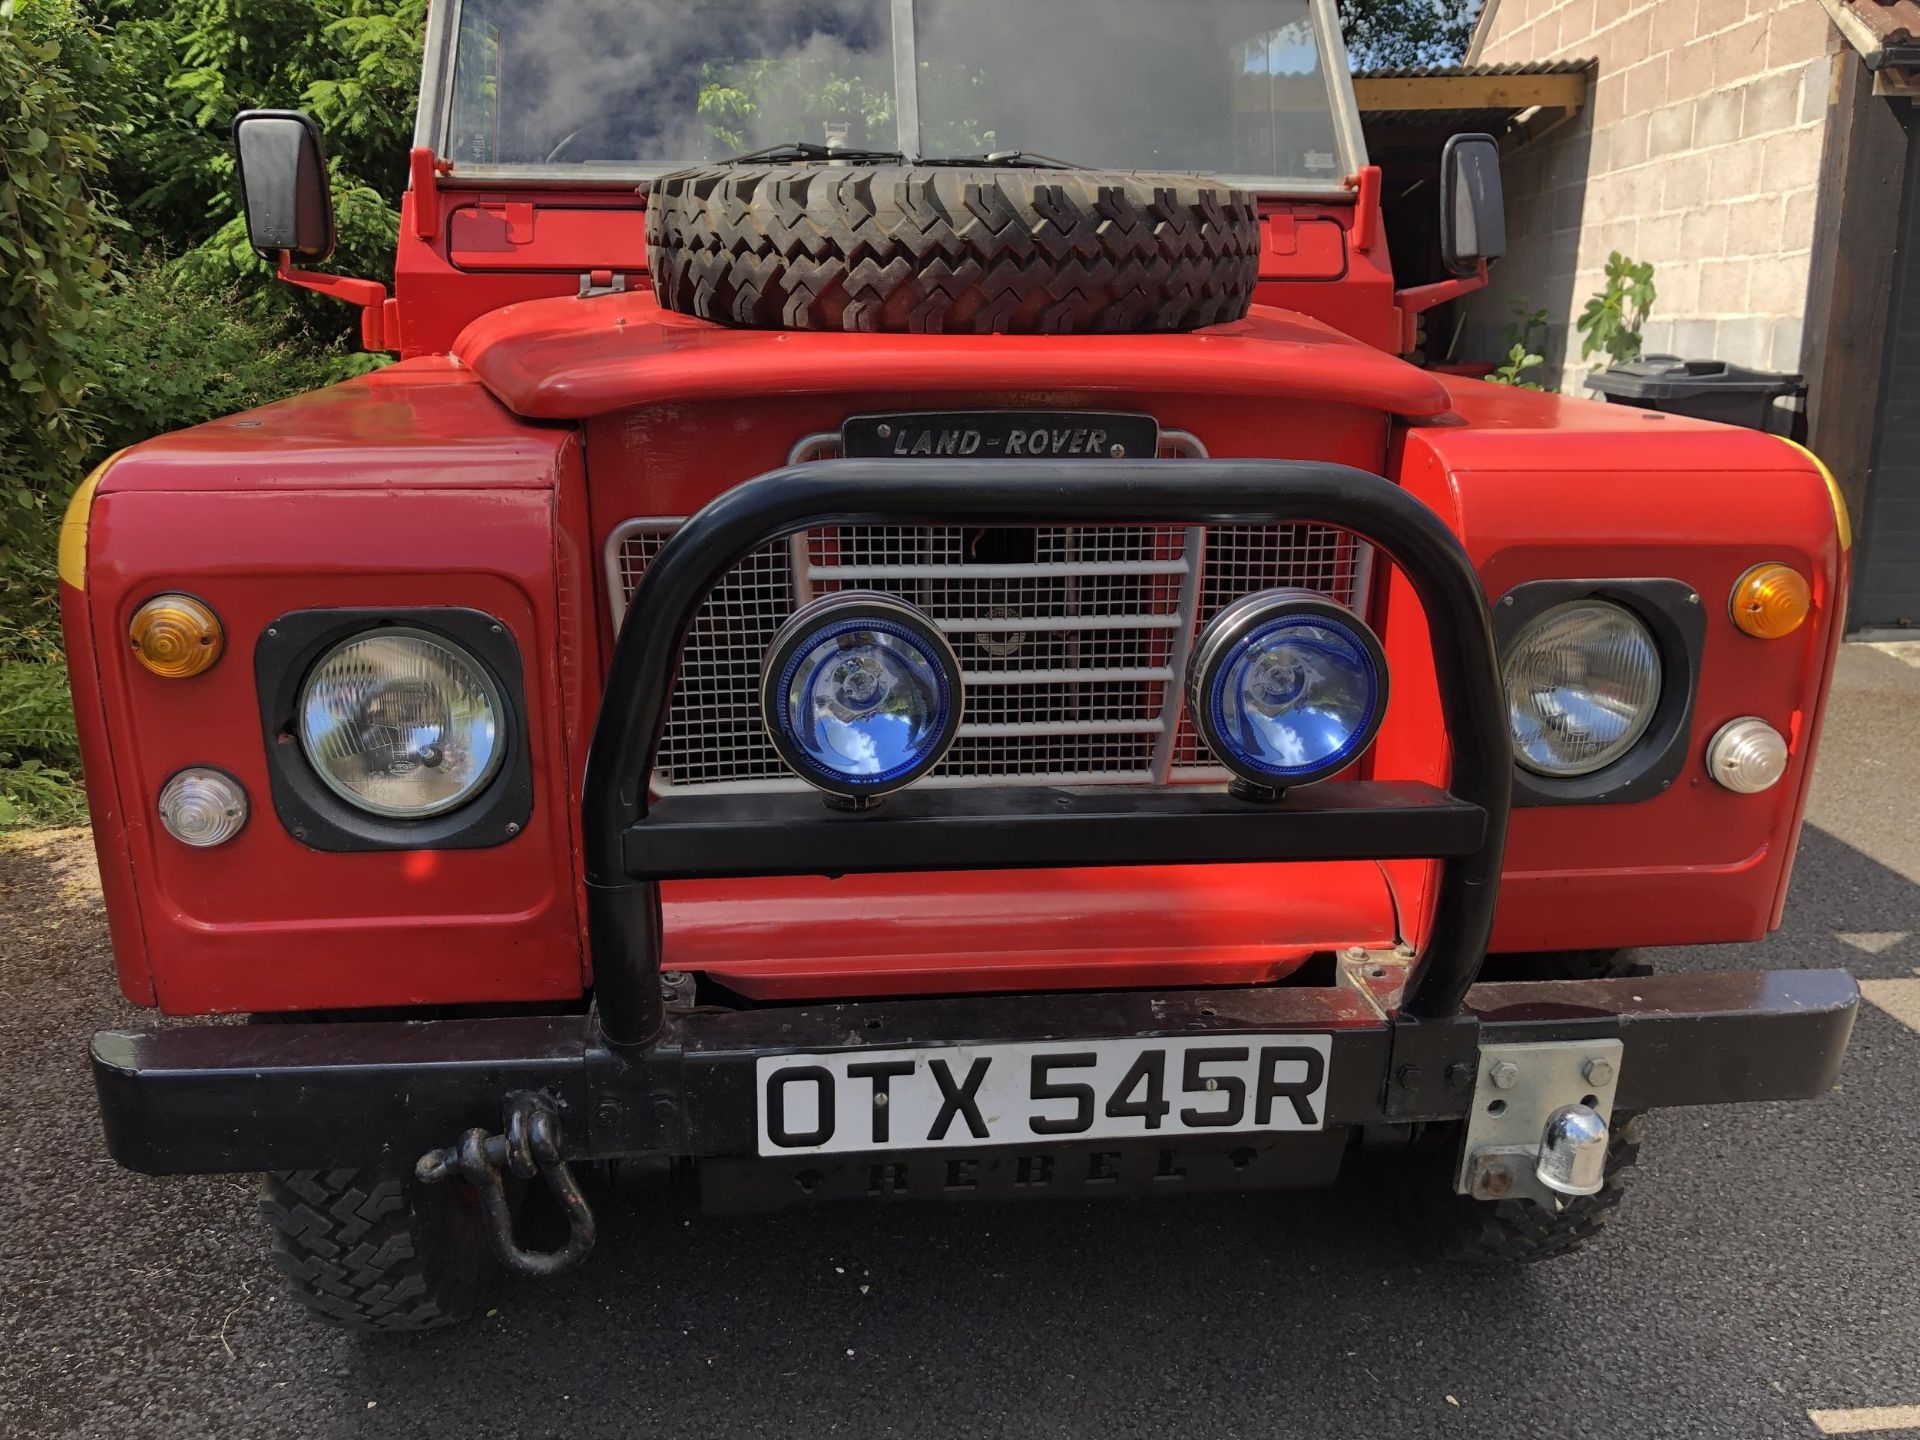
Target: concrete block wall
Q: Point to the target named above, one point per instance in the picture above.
(1699, 150)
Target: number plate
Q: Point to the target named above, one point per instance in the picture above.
(1015, 1094)
(1003, 435)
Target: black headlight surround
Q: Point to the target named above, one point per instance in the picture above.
(312, 813)
(1674, 613)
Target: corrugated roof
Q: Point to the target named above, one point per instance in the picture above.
(1886, 32)
(1518, 67)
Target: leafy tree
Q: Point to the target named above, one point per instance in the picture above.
(1525, 337)
(1382, 33)
(56, 266)
(130, 302)
(56, 261)
(182, 69)
(737, 96)
(115, 121)
(1618, 311)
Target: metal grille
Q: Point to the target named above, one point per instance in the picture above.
(1072, 638)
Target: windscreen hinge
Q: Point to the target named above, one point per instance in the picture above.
(602, 282)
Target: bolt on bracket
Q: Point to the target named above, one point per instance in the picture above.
(1517, 1091)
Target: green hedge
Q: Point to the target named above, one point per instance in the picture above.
(130, 302)
(56, 264)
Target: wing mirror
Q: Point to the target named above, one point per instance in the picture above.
(1473, 208)
(283, 182)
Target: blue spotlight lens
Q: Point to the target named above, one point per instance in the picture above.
(862, 694)
(1288, 688)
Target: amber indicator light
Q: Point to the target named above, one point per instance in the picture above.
(176, 636)
(1771, 601)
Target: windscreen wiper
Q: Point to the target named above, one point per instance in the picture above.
(1014, 159)
(793, 150)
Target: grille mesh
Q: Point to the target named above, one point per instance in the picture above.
(1069, 636)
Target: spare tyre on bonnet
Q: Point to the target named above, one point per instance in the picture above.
(949, 250)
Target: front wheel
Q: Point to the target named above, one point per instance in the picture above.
(1512, 1232)
(376, 1250)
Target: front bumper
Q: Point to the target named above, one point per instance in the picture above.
(270, 1097)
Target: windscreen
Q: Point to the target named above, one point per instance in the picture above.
(1235, 88)
(658, 84)
(1228, 87)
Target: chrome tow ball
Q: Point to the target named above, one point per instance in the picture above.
(1537, 1126)
(1573, 1151)
(530, 1146)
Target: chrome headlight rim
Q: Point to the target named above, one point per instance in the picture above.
(840, 613)
(487, 684)
(314, 813)
(1242, 621)
(1672, 611)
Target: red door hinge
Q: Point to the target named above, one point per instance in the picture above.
(424, 171)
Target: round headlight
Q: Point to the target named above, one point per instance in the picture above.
(861, 694)
(1583, 680)
(1287, 687)
(402, 723)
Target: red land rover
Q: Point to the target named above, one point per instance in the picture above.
(849, 656)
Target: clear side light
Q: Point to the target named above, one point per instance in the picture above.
(1747, 756)
(203, 807)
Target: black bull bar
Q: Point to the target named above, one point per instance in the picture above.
(630, 1078)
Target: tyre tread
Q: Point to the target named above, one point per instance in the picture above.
(368, 1250)
(1526, 1233)
(929, 250)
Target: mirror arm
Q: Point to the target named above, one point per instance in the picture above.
(1412, 303)
(1365, 183)
(378, 330)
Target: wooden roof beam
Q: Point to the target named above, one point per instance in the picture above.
(1471, 92)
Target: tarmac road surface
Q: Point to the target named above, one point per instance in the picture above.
(1759, 1281)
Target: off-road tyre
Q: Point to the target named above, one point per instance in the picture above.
(937, 249)
(376, 1250)
(1514, 1232)
(1567, 965)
